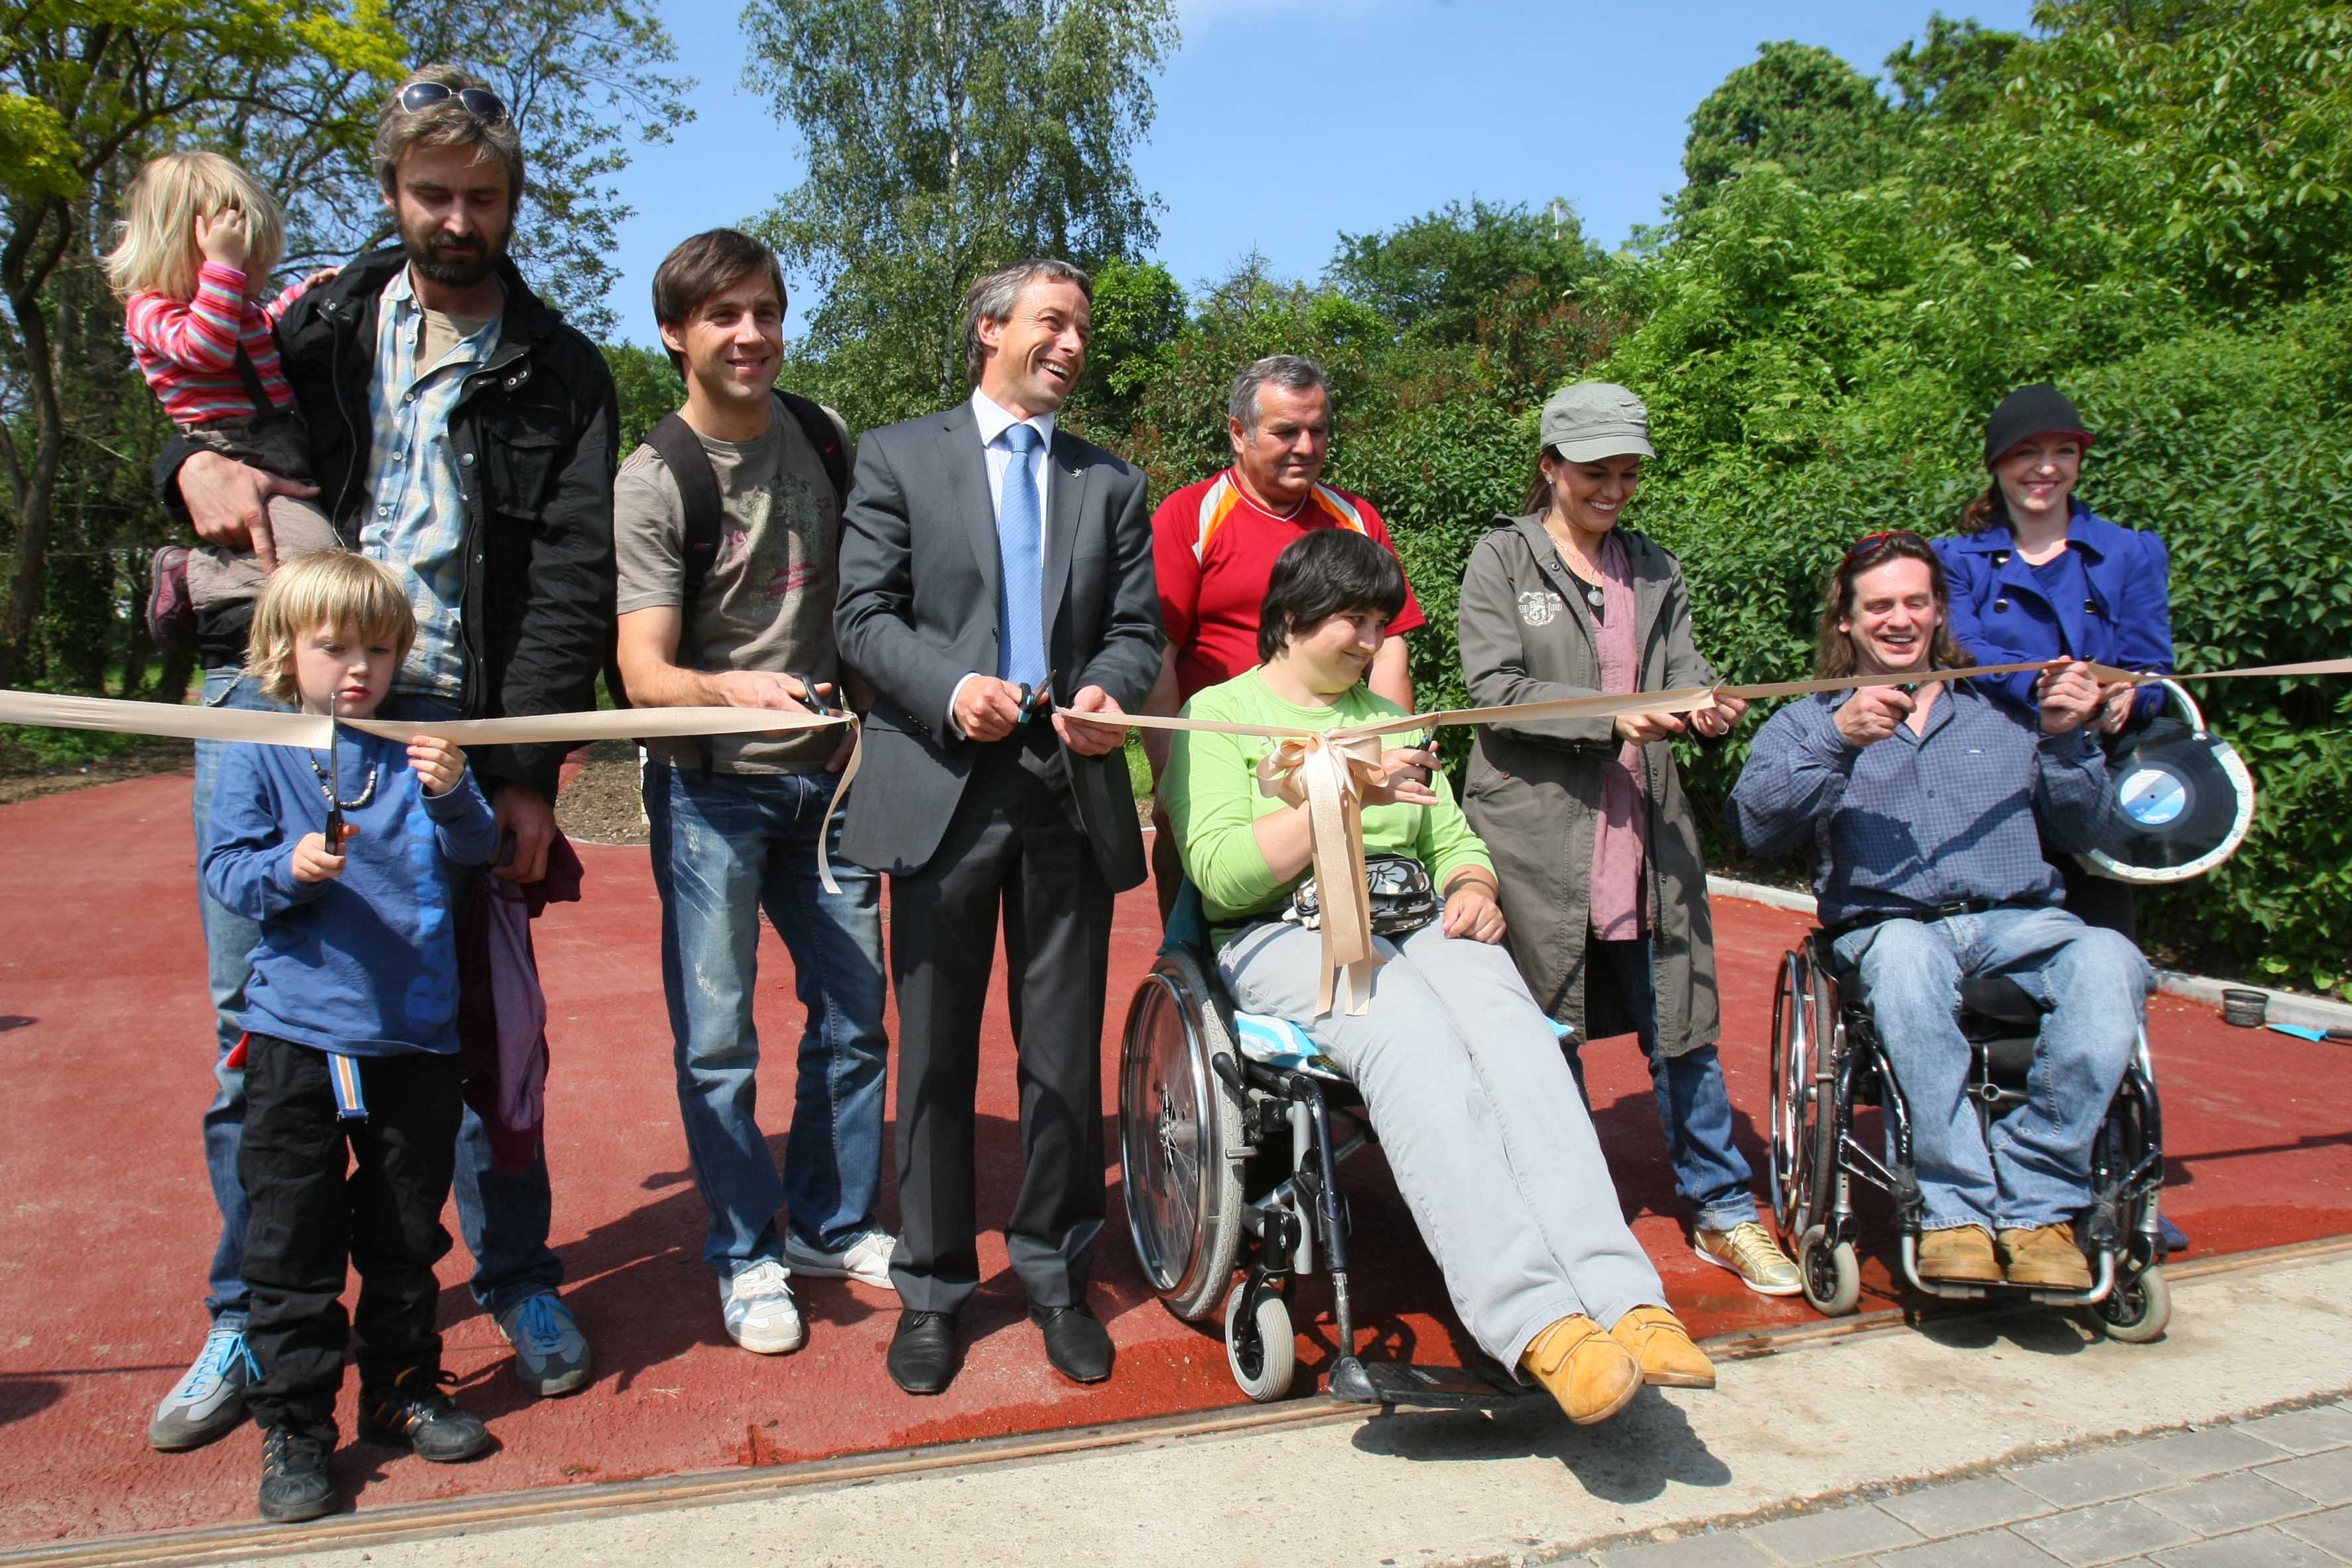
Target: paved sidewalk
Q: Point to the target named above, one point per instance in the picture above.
(2066, 1447)
(2272, 1492)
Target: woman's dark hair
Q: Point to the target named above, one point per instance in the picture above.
(1982, 512)
(1329, 572)
(1538, 495)
(1834, 650)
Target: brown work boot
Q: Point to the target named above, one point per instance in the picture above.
(1591, 1375)
(2044, 1257)
(1664, 1347)
(1962, 1255)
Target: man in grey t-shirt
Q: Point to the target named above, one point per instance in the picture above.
(737, 819)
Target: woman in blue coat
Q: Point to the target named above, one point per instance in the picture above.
(2037, 574)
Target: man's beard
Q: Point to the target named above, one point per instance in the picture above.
(432, 255)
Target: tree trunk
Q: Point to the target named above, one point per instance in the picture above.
(36, 498)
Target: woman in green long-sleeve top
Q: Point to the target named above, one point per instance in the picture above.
(1458, 1067)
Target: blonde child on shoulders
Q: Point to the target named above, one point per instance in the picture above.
(199, 241)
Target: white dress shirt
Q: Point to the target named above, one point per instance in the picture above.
(994, 419)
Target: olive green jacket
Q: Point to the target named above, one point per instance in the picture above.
(1534, 790)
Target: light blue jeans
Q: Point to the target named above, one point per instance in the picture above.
(726, 847)
(1480, 1120)
(504, 1218)
(2035, 1167)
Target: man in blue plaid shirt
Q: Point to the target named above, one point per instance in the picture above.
(1921, 805)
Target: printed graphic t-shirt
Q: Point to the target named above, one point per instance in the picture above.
(767, 601)
(1213, 549)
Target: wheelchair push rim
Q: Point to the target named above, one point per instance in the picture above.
(1178, 1128)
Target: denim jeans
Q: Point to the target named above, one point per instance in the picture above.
(2034, 1168)
(726, 847)
(504, 1218)
(1694, 1107)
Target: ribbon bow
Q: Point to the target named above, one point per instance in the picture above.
(1333, 771)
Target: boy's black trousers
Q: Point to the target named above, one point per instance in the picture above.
(313, 1206)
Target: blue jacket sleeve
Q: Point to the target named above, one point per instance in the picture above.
(464, 824)
(2070, 789)
(1971, 578)
(250, 864)
(2144, 619)
(1796, 774)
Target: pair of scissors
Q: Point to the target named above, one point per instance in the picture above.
(334, 783)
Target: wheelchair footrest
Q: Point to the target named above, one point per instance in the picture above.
(1355, 1381)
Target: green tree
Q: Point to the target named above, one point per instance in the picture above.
(1957, 72)
(649, 387)
(88, 88)
(1799, 106)
(943, 138)
(1441, 276)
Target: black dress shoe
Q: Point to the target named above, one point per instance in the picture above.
(1075, 1341)
(923, 1351)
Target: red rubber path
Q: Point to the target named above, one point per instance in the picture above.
(107, 1225)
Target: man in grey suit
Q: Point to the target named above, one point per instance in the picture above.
(993, 570)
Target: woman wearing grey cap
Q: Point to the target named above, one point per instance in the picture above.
(1596, 847)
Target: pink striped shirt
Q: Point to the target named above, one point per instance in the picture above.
(187, 349)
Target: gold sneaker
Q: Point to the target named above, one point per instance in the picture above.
(1591, 1375)
(1664, 1347)
(1749, 1251)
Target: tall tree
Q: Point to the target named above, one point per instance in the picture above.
(83, 87)
(1957, 72)
(1440, 275)
(945, 137)
(1800, 106)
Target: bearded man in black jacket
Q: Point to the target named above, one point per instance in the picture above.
(463, 434)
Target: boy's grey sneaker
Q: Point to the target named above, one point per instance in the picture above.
(757, 1307)
(210, 1400)
(551, 1353)
(866, 1259)
(296, 1479)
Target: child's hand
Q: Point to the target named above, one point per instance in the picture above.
(314, 862)
(321, 278)
(439, 763)
(221, 237)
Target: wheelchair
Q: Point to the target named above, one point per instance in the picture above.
(1232, 1130)
(1827, 1062)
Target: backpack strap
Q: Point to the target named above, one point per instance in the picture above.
(824, 435)
(680, 450)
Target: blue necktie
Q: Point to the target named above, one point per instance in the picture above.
(1020, 603)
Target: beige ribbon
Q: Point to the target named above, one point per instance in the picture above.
(1339, 839)
(1332, 772)
(313, 730)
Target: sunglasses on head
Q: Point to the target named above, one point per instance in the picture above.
(478, 101)
(1870, 542)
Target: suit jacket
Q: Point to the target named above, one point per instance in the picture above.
(917, 612)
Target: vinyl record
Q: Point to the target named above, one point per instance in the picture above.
(2183, 803)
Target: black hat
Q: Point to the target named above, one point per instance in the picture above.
(2037, 410)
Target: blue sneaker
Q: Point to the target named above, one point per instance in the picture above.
(210, 1400)
(551, 1353)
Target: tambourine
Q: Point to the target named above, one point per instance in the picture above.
(2183, 801)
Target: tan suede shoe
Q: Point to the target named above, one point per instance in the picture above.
(1960, 1256)
(2044, 1257)
(1664, 1347)
(1591, 1375)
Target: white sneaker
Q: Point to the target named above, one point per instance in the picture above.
(758, 1305)
(866, 1259)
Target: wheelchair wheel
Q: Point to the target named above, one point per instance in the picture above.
(1833, 1275)
(1179, 1129)
(1263, 1351)
(2137, 1310)
(1804, 1125)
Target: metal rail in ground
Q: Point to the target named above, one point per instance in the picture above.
(244, 1543)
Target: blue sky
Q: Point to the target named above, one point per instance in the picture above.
(1284, 122)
